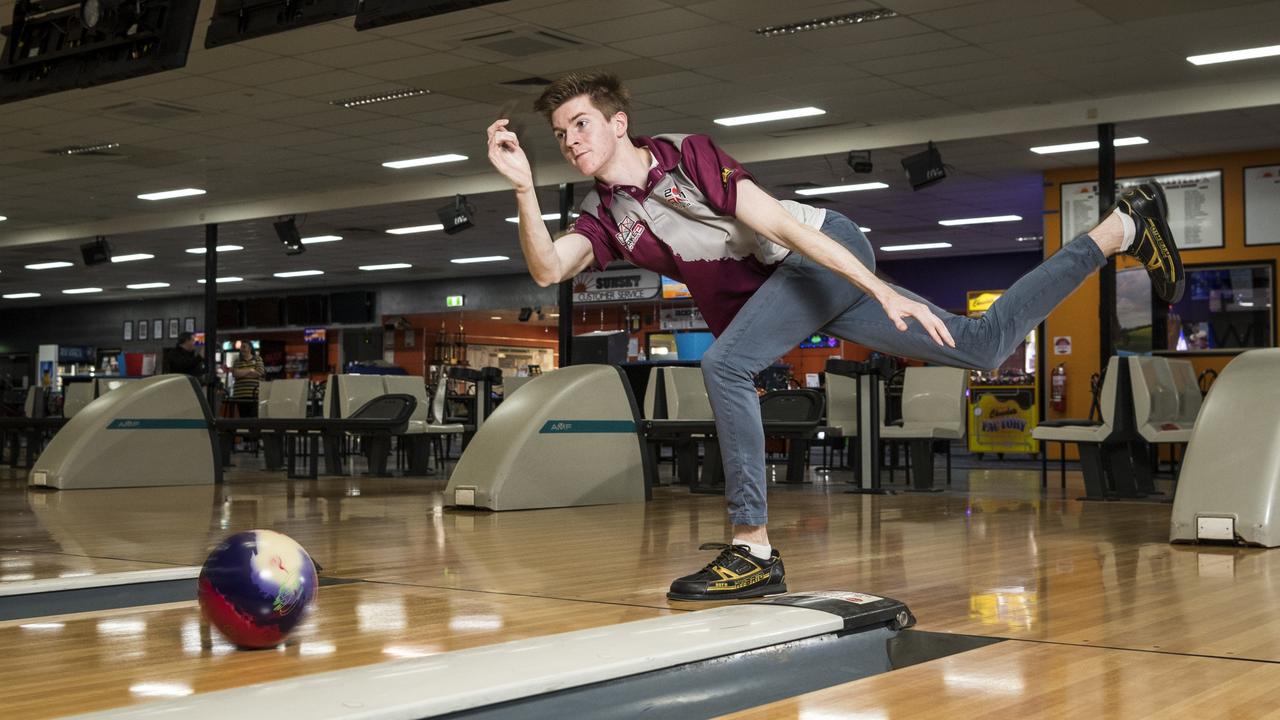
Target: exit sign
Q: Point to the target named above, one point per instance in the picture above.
(455, 300)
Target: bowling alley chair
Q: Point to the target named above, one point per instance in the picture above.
(1156, 404)
(1190, 398)
(441, 432)
(421, 435)
(932, 409)
(842, 410)
(280, 399)
(75, 396)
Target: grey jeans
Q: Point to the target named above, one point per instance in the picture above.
(802, 296)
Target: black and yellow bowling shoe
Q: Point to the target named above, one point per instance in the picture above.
(1154, 246)
(733, 575)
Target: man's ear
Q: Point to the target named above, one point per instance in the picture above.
(620, 124)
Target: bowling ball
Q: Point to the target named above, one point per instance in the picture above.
(256, 586)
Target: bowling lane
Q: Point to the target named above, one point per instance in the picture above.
(1018, 679)
(18, 566)
(123, 657)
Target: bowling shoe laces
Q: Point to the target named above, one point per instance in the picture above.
(1154, 246)
(734, 574)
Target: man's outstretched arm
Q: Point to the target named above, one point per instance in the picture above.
(762, 213)
(550, 261)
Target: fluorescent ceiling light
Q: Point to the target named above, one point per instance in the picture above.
(486, 258)
(168, 194)
(1234, 55)
(419, 162)
(131, 258)
(495, 317)
(415, 229)
(227, 279)
(48, 265)
(545, 216)
(20, 296)
(1090, 145)
(220, 248)
(297, 273)
(3, 218)
(841, 188)
(147, 286)
(980, 220)
(826, 22)
(81, 291)
(770, 116)
(864, 229)
(917, 246)
(379, 97)
(387, 266)
(320, 239)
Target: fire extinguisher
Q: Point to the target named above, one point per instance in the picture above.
(1058, 388)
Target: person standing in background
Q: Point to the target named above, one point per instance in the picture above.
(248, 372)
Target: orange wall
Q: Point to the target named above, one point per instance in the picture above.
(480, 332)
(1077, 316)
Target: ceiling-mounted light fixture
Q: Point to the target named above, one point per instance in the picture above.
(827, 22)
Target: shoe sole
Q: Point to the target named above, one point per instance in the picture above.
(1170, 246)
(737, 595)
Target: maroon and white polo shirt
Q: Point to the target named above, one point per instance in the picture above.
(683, 224)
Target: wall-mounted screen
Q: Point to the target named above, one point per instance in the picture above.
(1226, 307)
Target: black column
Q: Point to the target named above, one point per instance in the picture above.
(1107, 276)
(565, 290)
(211, 311)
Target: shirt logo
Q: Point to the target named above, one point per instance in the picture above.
(674, 196)
(725, 174)
(629, 231)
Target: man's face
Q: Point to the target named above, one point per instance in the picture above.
(587, 138)
(189, 344)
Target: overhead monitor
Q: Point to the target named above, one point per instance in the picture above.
(56, 45)
(376, 13)
(238, 20)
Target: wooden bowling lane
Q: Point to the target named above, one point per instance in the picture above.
(54, 666)
(24, 566)
(1019, 680)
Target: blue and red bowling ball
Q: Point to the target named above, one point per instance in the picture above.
(256, 587)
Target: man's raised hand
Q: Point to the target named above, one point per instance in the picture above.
(506, 155)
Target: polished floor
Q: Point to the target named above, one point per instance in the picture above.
(1106, 619)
